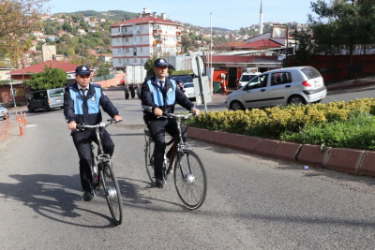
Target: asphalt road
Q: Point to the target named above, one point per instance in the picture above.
(252, 202)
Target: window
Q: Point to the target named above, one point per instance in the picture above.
(135, 60)
(258, 82)
(127, 50)
(311, 72)
(118, 51)
(119, 60)
(280, 78)
(141, 49)
(126, 39)
(140, 39)
(119, 40)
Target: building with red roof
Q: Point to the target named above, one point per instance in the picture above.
(20, 75)
(136, 40)
(25, 73)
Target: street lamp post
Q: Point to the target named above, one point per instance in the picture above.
(10, 82)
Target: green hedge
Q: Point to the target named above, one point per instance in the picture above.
(337, 124)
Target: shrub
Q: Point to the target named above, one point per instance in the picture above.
(337, 124)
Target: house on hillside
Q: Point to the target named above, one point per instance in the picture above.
(81, 32)
(105, 57)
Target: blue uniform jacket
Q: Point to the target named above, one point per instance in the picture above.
(86, 110)
(152, 96)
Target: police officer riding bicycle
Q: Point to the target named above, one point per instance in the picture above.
(160, 94)
(82, 101)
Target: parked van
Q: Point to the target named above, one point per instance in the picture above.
(246, 77)
(46, 99)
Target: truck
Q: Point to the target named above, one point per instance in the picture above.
(135, 74)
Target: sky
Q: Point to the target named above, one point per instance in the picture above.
(227, 14)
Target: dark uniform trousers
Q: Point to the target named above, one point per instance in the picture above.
(157, 130)
(82, 141)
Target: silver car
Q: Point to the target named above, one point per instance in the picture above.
(3, 112)
(293, 85)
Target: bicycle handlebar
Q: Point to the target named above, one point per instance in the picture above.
(172, 115)
(81, 127)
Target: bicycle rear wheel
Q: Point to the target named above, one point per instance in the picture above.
(112, 192)
(149, 160)
(190, 180)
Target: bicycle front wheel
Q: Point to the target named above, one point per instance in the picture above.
(112, 192)
(149, 159)
(190, 180)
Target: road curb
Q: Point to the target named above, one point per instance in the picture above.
(287, 151)
(345, 160)
(350, 161)
(312, 154)
(367, 166)
(4, 127)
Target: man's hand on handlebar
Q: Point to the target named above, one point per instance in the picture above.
(195, 111)
(158, 112)
(72, 125)
(117, 118)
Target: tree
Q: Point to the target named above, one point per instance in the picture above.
(305, 46)
(67, 27)
(342, 26)
(50, 78)
(18, 17)
(103, 70)
(149, 66)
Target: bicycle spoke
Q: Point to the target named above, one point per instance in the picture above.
(190, 180)
(149, 152)
(112, 193)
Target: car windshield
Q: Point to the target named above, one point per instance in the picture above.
(246, 78)
(311, 73)
(184, 78)
(56, 92)
(189, 85)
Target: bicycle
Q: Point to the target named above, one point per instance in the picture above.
(189, 174)
(102, 172)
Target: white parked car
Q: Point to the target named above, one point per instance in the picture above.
(3, 112)
(293, 85)
(246, 77)
(189, 90)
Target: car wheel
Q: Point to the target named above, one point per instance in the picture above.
(236, 105)
(30, 109)
(296, 100)
(45, 108)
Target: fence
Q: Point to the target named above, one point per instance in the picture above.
(338, 68)
(103, 78)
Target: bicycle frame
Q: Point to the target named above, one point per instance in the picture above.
(177, 141)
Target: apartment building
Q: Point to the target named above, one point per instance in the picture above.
(136, 40)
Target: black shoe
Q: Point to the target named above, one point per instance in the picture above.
(159, 183)
(87, 196)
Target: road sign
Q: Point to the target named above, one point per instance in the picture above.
(197, 65)
(206, 97)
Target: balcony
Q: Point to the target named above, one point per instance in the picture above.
(157, 32)
(179, 43)
(120, 34)
(158, 42)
